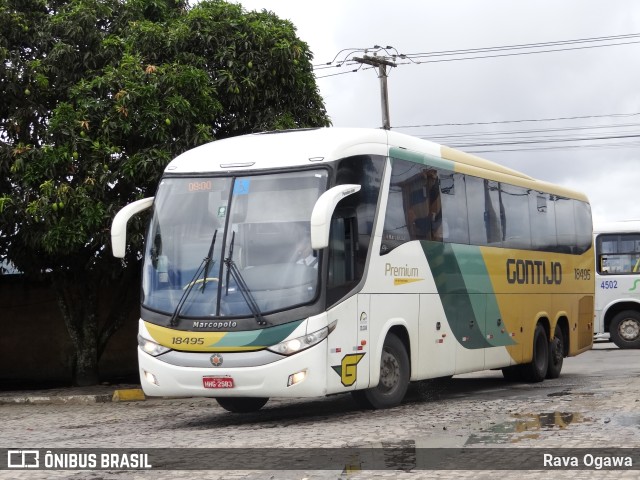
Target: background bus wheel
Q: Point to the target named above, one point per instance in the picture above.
(556, 354)
(394, 377)
(536, 371)
(625, 329)
(242, 404)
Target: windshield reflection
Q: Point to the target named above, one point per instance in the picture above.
(267, 219)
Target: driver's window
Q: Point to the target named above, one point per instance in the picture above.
(341, 275)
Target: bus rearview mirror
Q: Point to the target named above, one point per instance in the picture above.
(323, 210)
(119, 225)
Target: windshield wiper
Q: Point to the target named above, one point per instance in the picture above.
(209, 262)
(242, 285)
(205, 266)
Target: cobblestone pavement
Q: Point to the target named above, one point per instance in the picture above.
(594, 404)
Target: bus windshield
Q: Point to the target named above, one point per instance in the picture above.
(232, 246)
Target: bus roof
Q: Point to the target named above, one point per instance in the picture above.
(303, 147)
(621, 226)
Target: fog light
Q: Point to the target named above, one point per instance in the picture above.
(151, 378)
(296, 378)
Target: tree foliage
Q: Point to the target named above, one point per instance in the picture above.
(97, 97)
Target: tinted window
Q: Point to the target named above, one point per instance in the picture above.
(565, 225)
(584, 225)
(542, 215)
(455, 227)
(426, 203)
(485, 212)
(414, 208)
(516, 225)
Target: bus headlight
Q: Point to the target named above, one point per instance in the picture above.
(296, 345)
(152, 348)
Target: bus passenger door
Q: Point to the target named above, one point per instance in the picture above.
(349, 343)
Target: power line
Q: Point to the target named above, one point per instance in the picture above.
(525, 45)
(558, 147)
(564, 134)
(527, 140)
(339, 73)
(577, 117)
(535, 130)
(514, 54)
(547, 144)
(558, 140)
(522, 137)
(413, 62)
(472, 53)
(344, 73)
(369, 50)
(377, 48)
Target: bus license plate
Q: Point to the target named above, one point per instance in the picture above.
(217, 382)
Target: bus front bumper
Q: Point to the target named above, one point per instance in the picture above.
(299, 375)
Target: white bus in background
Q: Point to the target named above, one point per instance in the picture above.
(617, 305)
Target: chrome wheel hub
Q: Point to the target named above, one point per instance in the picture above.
(629, 329)
(389, 371)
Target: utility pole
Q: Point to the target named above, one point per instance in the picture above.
(382, 63)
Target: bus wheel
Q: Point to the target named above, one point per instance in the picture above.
(625, 329)
(536, 371)
(556, 354)
(242, 404)
(394, 377)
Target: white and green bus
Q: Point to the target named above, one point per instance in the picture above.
(617, 304)
(315, 262)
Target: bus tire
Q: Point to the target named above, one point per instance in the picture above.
(242, 404)
(556, 354)
(394, 377)
(536, 371)
(625, 329)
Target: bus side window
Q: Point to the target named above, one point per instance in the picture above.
(618, 253)
(414, 207)
(455, 226)
(565, 225)
(516, 225)
(485, 213)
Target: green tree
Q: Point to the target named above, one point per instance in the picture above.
(97, 97)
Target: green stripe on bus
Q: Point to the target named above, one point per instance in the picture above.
(258, 338)
(467, 295)
(477, 279)
(422, 158)
(464, 309)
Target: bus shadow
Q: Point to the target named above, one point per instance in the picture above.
(280, 413)
(435, 390)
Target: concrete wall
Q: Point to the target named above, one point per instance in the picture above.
(35, 348)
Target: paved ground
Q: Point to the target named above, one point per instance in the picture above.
(595, 404)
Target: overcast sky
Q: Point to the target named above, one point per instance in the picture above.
(582, 78)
